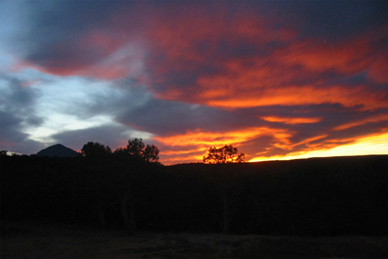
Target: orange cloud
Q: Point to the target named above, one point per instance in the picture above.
(308, 141)
(207, 139)
(305, 95)
(374, 118)
(288, 120)
(175, 157)
(180, 159)
(361, 53)
(203, 140)
(248, 61)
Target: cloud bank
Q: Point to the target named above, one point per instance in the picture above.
(274, 79)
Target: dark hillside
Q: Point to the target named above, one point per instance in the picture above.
(318, 196)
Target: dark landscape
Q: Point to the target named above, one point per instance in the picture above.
(125, 207)
(299, 86)
(46, 240)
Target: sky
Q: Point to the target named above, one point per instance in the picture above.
(276, 79)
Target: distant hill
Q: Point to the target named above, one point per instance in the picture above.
(57, 150)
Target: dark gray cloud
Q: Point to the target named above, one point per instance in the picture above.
(333, 20)
(17, 113)
(53, 33)
(112, 135)
(166, 118)
(123, 97)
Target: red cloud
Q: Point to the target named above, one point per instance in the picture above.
(246, 60)
(229, 57)
(351, 56)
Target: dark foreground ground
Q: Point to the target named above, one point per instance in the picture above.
(37, 240)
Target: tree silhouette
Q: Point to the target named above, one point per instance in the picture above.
(97, 157)
(222, 155)
(226, 183)
(129, 161)
(95, 150)
(118, 169)
(138, 150)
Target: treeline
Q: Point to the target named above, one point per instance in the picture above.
(322, 196)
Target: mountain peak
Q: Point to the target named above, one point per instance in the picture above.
(57, 150)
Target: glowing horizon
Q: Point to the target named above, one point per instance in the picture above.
(376, 145)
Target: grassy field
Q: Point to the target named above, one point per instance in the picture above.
(37, 240)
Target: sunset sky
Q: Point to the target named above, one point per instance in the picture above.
(276, 79)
